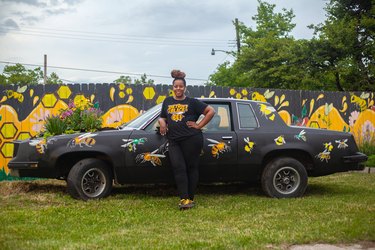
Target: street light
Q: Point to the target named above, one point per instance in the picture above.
(227, 52)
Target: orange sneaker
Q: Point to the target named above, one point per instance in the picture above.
(186, 204)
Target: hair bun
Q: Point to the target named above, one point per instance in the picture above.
(178, 74)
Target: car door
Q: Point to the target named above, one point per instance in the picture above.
(250, 141)
(146, 156)
(219, 158)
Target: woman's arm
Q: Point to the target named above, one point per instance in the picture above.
(208, 113)
(163, 126)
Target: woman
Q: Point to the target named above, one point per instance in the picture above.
(178, 121)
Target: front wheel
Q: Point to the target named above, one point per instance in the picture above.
(89, 179)
(284, 178)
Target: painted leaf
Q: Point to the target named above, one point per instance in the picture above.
(312, 103)
(276, 100)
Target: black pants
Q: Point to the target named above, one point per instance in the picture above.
(184, 156)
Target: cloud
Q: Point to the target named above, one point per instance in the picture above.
(16, 13)
(8, 24)
(27, 2)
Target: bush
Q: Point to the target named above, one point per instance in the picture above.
(80, 117)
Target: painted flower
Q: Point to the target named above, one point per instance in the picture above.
(115, 117)
(38, 119)
(353, 118)
(368, 131)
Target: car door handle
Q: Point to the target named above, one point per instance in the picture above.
(227, 137)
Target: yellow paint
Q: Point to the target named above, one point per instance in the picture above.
(238, 96)
(160, 99)
(7, 149)
(8, 131)
(23, 136)
(285, 116)
(332, 121)
(149, 93)
(112, 93)
(49, 100)
(129, 91)
(232, 91)
(121, 94)
(244, 92)
(121, 86)
(64, 92)
(118, 115)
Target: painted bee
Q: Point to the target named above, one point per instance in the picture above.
(41, 144)
(16, 94)
(360, 101)
(325, 155)
(328, 146)
(342, 143)
(84, 139)
(267, 111)
(132, 143)
(280, 140)
(218, 148)
(249, 145)
(301, 135)
(151, 157)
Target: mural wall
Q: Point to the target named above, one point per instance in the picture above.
(23, 109)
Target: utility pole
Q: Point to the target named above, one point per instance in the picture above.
(45, 69)
(237, 35)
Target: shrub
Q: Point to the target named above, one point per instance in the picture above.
(80, 117)
(55, 125)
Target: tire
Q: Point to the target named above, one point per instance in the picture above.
(89, 179)
(284, 177)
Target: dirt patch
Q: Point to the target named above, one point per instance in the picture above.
(369, 245)
(10, 188)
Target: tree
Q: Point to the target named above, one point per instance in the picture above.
(348, 38)
(54, 79)
(18, 74)
(128, 80)
(269, 57)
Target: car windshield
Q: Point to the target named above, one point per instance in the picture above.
(142, 119)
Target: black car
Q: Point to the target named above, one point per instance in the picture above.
(245, 141)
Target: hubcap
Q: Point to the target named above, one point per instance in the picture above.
(286, 180)
(93, 182)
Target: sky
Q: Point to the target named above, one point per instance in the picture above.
(123, 37)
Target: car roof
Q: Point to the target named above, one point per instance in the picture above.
(204, 99)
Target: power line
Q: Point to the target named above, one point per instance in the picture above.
(118, 39)
(99, 71)
(130, 36)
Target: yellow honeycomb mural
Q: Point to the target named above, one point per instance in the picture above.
(149, 93)
(49, 100)
(8, 130)
(64, 92)
(7, 149)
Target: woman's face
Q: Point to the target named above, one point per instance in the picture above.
(179, 88)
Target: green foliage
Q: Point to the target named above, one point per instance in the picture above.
(83, 117)
(128, 80)
(55, 125)
(370, 162)
(339, 57)
(336, 209)
(18, 74)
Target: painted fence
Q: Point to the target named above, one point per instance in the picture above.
(23, 109)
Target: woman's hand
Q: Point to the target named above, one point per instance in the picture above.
(163, 126)
(192, 124)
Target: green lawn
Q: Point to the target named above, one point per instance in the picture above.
(40, 215)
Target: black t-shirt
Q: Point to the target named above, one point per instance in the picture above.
(178, 112)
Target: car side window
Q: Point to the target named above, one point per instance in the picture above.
(152, 127)
(221, 120)
(246, 116)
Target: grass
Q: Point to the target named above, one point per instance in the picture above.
(40, 215)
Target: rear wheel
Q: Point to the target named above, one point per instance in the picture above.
(284, 177)
(89, 179)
